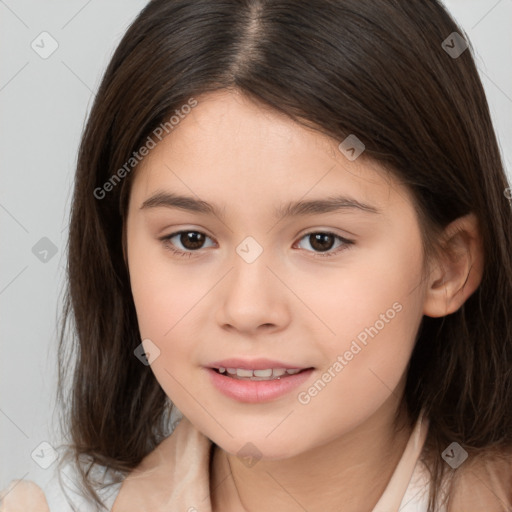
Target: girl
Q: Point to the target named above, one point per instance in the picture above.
(289, 267)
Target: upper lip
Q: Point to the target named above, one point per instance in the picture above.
(254, 364)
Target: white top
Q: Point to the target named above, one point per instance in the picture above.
(407, 490)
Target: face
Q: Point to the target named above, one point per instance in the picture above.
(336, 290)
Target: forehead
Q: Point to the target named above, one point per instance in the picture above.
(231, 150)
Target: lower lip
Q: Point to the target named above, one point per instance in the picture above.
(256, 391)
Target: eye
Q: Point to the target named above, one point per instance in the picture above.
(190, 240)
(324, 241)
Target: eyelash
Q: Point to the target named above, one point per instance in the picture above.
(188, 254)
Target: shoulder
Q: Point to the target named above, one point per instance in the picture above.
(59, 493)
(172, 475)
(484, 484)
(481, 485)
(23, 496)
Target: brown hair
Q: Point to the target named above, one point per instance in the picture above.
(371, 68)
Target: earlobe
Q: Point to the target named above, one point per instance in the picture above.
(458, 270)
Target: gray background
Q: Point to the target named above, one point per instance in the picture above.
(43, 104)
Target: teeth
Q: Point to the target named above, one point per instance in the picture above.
(244, 373)
(268, 374)
(260, 373)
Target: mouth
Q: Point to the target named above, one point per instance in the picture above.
(267, 374)
(265, 383)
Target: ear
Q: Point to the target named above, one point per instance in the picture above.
(457, 272)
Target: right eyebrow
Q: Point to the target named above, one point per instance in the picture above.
(171, 200)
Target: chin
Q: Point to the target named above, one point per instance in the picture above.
(256, 444)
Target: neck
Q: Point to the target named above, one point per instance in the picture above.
(349, 473)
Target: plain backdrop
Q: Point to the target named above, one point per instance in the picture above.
(44, 103)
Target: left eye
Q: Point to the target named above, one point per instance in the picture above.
(324, 241)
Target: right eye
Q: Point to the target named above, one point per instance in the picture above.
(190, 240)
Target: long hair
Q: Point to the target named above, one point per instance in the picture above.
(377, 69)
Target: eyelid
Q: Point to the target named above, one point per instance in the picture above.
(346, 242)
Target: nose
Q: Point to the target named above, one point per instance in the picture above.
(252, 298)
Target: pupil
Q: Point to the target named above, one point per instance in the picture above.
(321, 241)
(192, 239)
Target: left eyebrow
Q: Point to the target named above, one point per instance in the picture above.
(328, 205)
(294, 208)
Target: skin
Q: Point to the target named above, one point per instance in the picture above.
(339, 450)
(23, 496)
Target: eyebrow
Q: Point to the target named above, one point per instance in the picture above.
(291, 209)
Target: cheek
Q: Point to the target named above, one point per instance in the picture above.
(374, 312)
(161, 303)
(377, 289)
(169, 302)
(161, 291)
(363, 370)
(360, 379)
(164, 301)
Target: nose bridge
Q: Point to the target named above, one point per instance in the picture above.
(251, 273)
(251, 295)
